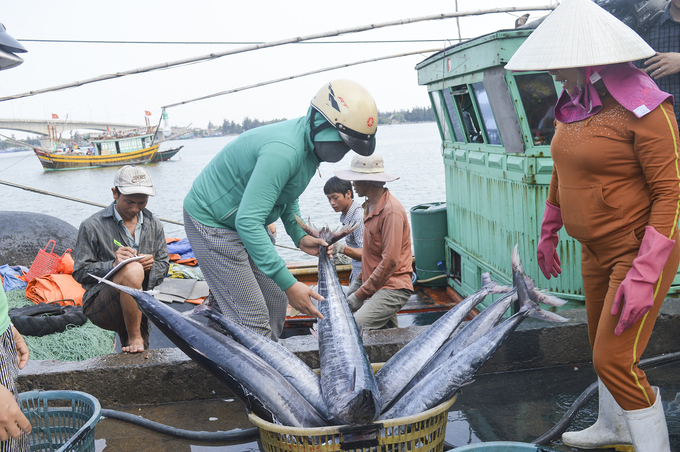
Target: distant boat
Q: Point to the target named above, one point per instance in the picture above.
(15, 149)
(117, 148)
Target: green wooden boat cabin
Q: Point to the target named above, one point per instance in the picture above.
(496, 127)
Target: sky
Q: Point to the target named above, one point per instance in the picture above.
(393, 83)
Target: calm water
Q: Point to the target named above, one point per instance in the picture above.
(412, 151)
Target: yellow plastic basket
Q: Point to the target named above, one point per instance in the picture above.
(424, 432)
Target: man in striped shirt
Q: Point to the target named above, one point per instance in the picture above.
(341, 198)
(664, 37)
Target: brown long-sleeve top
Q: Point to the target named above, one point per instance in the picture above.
(614, 173)
(386, 258)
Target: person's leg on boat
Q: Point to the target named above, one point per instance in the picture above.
(380, 311)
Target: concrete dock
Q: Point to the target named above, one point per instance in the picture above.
(168, 375)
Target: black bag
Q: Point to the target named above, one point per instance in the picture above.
(46, 318)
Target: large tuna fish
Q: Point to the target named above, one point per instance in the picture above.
(347, 381)
(441, 382)
(255, 382)
(489, 318)
(293, 369)
(400, 369)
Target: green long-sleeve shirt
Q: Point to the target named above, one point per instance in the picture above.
(4, 317)
(253, 181)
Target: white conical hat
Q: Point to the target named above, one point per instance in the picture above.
(579, 33)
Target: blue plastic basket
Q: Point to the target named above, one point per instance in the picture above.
(62, 421)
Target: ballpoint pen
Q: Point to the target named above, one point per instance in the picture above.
(117, 243)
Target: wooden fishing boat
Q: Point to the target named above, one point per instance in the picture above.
(162, 156)
(117, 148)
(426, 299)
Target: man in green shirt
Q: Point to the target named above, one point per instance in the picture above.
(257, 179)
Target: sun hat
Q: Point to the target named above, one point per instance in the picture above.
(132, 180)
(371, 168)
(579, 33)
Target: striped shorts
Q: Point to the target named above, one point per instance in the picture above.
(243, 293)
(8, 376)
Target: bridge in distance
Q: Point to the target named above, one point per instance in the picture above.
(39, 127)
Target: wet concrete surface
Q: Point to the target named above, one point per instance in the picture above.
(513, 406)
(509, 401)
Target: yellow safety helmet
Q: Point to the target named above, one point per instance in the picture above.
(350, 108)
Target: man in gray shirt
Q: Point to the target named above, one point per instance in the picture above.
(124, 230)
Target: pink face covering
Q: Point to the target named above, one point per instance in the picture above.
(631, 87)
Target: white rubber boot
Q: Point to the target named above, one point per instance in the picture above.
(609, 432)
(648, 427)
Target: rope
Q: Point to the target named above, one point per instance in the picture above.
(71, 198)
(293, 40)
(304, 74)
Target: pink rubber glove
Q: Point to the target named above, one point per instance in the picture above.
(546, 252)
(637, 288)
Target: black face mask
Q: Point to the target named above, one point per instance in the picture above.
(330, 151)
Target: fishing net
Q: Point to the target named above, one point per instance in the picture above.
(76, 343)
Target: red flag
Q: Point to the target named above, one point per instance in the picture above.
(107, 129)
(148, 113)
(54, 116)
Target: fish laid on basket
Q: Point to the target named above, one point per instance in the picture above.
(282, 390)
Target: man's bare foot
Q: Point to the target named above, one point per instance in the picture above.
(134, 346)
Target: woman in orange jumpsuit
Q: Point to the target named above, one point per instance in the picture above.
(616, 189)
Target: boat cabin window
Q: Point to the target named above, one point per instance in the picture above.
(486, 113)
(539, 97)
(453, 116)
(131, 145)
(468, 114)
(444, 129)
(108, 147)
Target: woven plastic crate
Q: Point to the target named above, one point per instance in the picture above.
(62, 421)
(45, 263)
(424, 432)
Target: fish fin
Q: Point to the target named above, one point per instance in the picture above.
(529, 282)
(546, 298)
(361, 330)
(498, 289)
(516, 261)
(126, 289)
(467, 382)
(542, 314)
(198, 310)
(487, 282)
(314, 332)
(354, 380)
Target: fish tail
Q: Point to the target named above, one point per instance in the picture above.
(341, 232)
(325, 233)
(308, 228)
(527, 302)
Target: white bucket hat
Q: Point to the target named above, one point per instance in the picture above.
(371, 168)
(579, 33)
